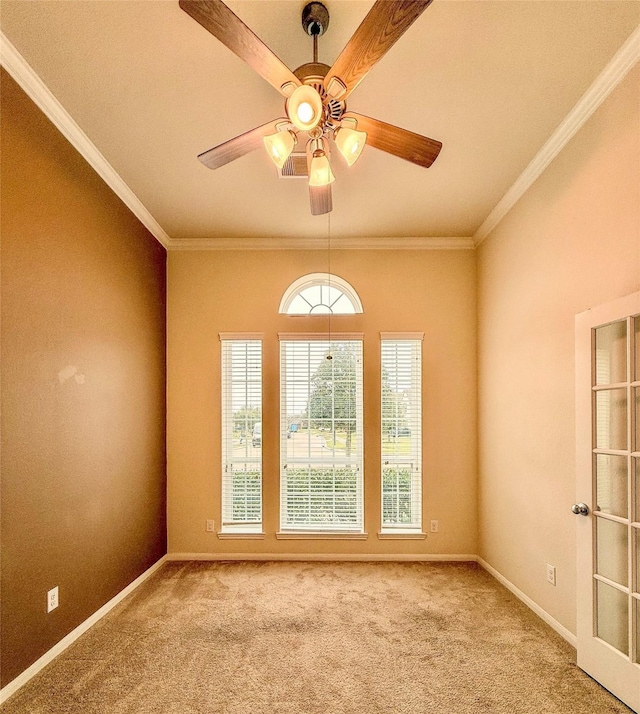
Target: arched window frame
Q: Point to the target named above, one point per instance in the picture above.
(319, 279)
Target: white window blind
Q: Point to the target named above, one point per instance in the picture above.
(241, 435)
(401, 364)
(321, 435)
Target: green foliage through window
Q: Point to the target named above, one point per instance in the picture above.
(246, 498)
(397, 495)
(321, 435)
(318, 496)
(401, 433)
(241, 434)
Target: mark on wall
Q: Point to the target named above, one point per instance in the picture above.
(64, 375)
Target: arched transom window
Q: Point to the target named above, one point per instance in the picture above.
(320, 294)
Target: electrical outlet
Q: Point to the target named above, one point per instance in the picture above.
(211, 525)
(434, 526)
(551, 574)
(52, 599)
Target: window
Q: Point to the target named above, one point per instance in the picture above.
(401, 364)
(321, 435)
(241, 435)
(320, 294)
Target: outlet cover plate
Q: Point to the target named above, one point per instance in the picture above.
(52, 599)
(551, 574)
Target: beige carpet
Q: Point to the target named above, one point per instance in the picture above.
(316, 638)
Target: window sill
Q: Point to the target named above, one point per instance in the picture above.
(241, 535)
(322, 535)
(399, 534)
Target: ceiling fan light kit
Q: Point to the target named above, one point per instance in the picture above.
(315, 94)
(280, 145)
(304, 107)
(350, 142)
(320, 173)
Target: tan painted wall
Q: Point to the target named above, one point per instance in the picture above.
(572, 242)
(430, 291)
(83, 388)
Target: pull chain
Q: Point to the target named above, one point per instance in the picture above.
(329, 355)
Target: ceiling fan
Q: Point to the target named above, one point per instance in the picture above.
(315, 94)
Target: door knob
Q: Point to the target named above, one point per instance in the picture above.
(580, 509)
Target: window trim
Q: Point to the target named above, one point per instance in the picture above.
(249, 529)
(399, 534)
(321, 535)
(312, 532)
(240, 535)
(319, 336)
(241, 336)
(400, 531)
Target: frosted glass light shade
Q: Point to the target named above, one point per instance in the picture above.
(350, 143)
(320, 173)
(280, 145)
(304, 107)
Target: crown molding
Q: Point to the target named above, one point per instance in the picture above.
(321, 244)
(623, 61)
(35, 88)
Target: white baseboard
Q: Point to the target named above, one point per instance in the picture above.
(542, 614)
(327, 557)
(39, 664)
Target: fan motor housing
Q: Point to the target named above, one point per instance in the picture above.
(311, 69)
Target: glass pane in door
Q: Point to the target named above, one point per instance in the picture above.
(635, 474)
(609, 603)
(612, 613)
(612, 550)
(637, 349)
(611, 419)
(636, 536)
(636, 442)
(637, 602)
(611, 353)
(611, 484)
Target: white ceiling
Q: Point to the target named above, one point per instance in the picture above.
(152, 89)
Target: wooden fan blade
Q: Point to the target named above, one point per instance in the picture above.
(320, 199)
(383, 26)
(400, 142)
(239, 146)
(222, 23)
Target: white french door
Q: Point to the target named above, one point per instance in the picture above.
(607, 504)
